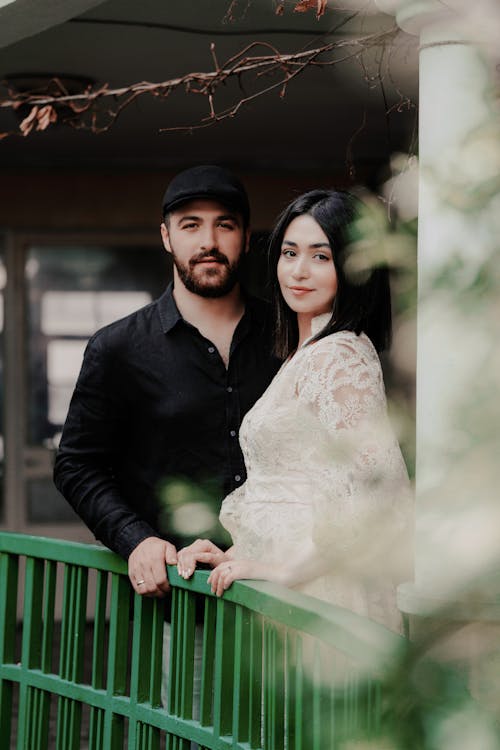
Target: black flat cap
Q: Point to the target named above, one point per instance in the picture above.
(207, 181)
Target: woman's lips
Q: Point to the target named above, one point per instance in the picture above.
(299, 291)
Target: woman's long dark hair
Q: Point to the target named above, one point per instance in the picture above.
(361, 304)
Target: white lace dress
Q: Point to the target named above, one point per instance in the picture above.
(325, 470)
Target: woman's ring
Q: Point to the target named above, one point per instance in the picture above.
(139, 583)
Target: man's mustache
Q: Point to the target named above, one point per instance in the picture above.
(213, 254)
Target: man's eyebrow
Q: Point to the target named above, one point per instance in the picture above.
(188, 218)
(222, 217)
(229, 217)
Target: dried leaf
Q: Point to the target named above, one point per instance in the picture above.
(45, 117)
(39, 118)
(4, 135)
(304, 5)
(280, 9)
(28, 123)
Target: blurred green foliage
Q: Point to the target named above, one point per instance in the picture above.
(190, 510)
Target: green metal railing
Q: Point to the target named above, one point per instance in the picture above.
(277, 669)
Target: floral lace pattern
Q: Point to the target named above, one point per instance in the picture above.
(324, 465)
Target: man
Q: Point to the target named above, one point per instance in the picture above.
(162, 392)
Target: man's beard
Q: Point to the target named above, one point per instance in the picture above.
(209, 281)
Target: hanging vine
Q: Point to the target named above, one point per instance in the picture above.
(258, 69)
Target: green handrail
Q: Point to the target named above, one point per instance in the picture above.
(277, 670)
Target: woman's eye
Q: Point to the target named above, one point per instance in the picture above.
(322, 256)
(288, 253)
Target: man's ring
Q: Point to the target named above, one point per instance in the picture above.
(139, 583)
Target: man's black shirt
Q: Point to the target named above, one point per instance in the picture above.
(154, 400)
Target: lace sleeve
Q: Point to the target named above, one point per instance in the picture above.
(342, 382)
(360, 483)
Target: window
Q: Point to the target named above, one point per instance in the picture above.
(71, 291)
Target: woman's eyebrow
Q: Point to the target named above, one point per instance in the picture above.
(313, 245)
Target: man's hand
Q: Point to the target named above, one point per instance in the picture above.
(147, 566)
(202, 550)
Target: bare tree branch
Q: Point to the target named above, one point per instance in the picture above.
(97, 108)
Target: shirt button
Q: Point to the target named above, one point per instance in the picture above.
(229, 389)
(238, 478)
(211, 349)
(233, 433)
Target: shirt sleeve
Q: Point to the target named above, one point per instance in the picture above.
(83, 470)
(361, 487)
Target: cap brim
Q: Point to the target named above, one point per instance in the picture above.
(232, 203)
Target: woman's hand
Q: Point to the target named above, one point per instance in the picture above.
(202, 550)
(228, 571)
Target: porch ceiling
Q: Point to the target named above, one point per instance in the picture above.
(311, 128)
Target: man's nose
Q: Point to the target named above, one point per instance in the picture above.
(209, 238)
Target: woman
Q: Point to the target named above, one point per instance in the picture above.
(326, 500)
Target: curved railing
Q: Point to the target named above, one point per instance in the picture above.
(262, 667)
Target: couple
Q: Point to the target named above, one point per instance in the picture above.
(163, 392)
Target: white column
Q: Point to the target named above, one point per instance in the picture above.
(458, 329)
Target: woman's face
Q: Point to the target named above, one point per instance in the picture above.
(306, 272)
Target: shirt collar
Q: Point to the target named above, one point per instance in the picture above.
(170, 315)
(168, 310)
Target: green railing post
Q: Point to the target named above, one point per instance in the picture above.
(146, 669)
(114, 724)
(8, 603)
(224, 676)
(241, 693)
(72, 654)
(96, 718)
(208, 662)
(31, 652)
